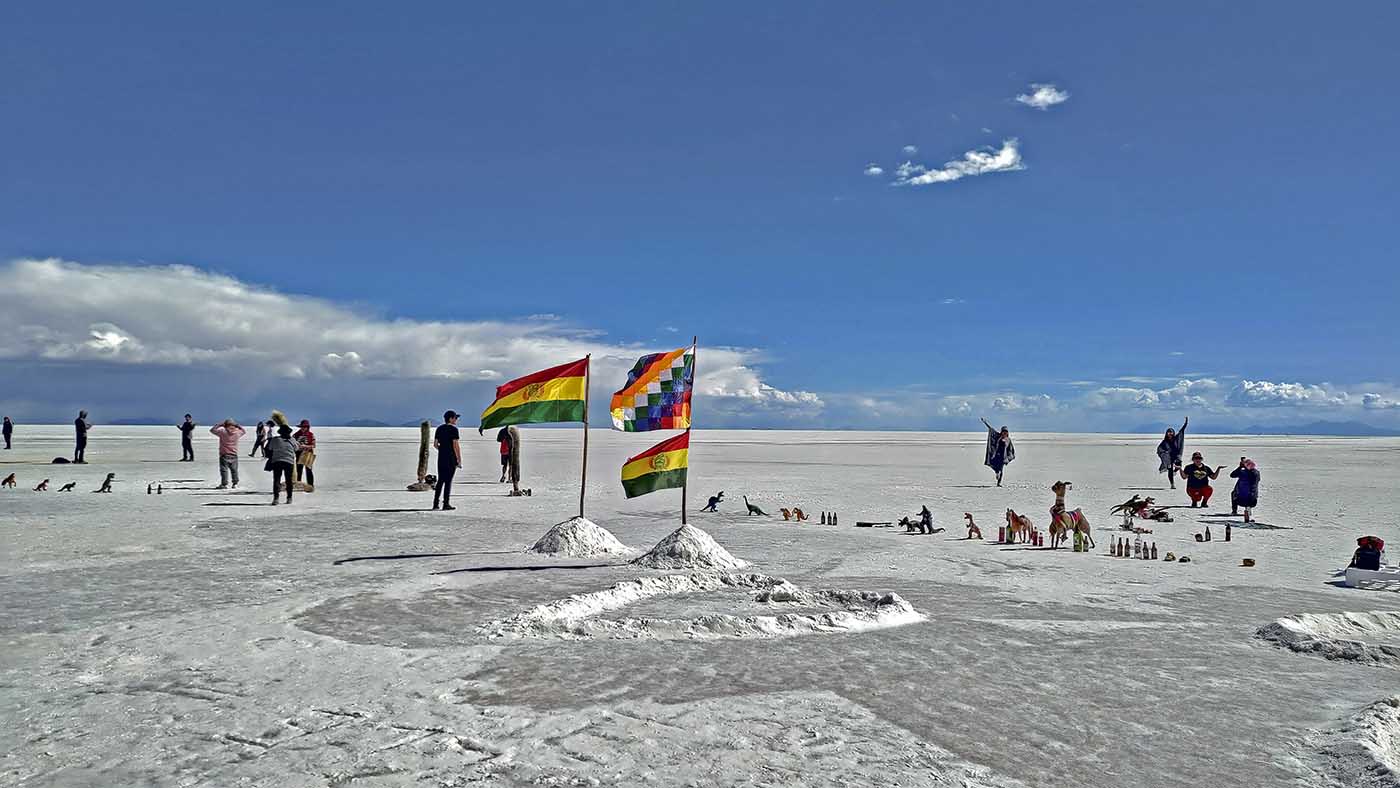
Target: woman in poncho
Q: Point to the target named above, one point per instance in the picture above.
(1171, 450)
(1000, 452)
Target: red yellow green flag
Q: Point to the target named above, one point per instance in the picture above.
(662, 467)
(552, 395)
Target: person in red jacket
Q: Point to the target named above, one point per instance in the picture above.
(306, 454)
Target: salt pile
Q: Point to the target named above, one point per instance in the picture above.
(1364, 751)
(1339, 636)
(579, 537)
(689, 547)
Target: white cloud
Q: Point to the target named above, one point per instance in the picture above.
(1268, 394)
(910, 150)
(872, 169)
(1185, 393)
(951, 301)
(974, 162)
(1378, 402)
(1043, 96)
(240, 335)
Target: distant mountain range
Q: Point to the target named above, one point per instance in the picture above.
(1341, 429)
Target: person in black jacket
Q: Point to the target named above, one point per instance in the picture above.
(8, 430)
(186, 441)
(80, 430)
(447, 441)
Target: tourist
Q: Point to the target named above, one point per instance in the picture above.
(186, 439)
(281, 458)
(447, 441)
(1246, 492)
(306, 455)
(80, 428)
(9, 430)
(1000, 451)
(260, 439)
(228, 433)
(1171, 450)
(1198, 477)
(503, 438)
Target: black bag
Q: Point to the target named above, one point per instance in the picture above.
(267, 466)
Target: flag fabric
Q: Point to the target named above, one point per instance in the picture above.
(657, 394)
(662, 467)
(551, 395)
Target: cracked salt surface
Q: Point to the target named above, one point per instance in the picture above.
(153, 641)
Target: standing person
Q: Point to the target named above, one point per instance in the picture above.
(306, 455)
(1198, 476)
(1246, 492)
(9, 430)
(228, 433)
(259, 439)
(1000, 451)
(281, 457)
(80, 429)
(186, 439)
(1171, 450)
(447, 441)
(513, 467)
(503, 438)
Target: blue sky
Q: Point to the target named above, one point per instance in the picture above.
(1213, 201)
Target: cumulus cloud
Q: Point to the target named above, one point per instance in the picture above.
(1379, 402)
(219, 332)
(872, 169)
(910, 150)
(1263, 393)
(1198, 393)
(982, 161)
(1043, 96)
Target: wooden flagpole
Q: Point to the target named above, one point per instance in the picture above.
(583, 476)
(694, 362)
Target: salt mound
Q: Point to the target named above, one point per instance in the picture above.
(689, 547)
(579, 537)
(1339, 636)
(1365, 750)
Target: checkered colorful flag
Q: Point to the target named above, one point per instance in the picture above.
(657, 394)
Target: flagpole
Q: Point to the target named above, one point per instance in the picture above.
(583, 476)
(694, 360)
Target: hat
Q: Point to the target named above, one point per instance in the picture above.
(1195, 455)
(304, 423)
(449, 415)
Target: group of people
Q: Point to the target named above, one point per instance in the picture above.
(286, 452)
(1198, 476)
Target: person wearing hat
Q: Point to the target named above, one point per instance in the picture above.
(1246, 492)
(1198, 477)
(447, 441)
(281, 456)
(306, 454)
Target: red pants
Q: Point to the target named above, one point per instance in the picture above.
(1200, 495)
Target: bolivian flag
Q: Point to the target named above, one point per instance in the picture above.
(662, 467)
(550, 395)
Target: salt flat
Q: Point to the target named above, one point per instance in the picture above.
(204, 638)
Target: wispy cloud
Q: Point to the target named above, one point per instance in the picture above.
(975, 162)
(910, 150)
(872, 169)
(949, 301)
(1043, 96)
